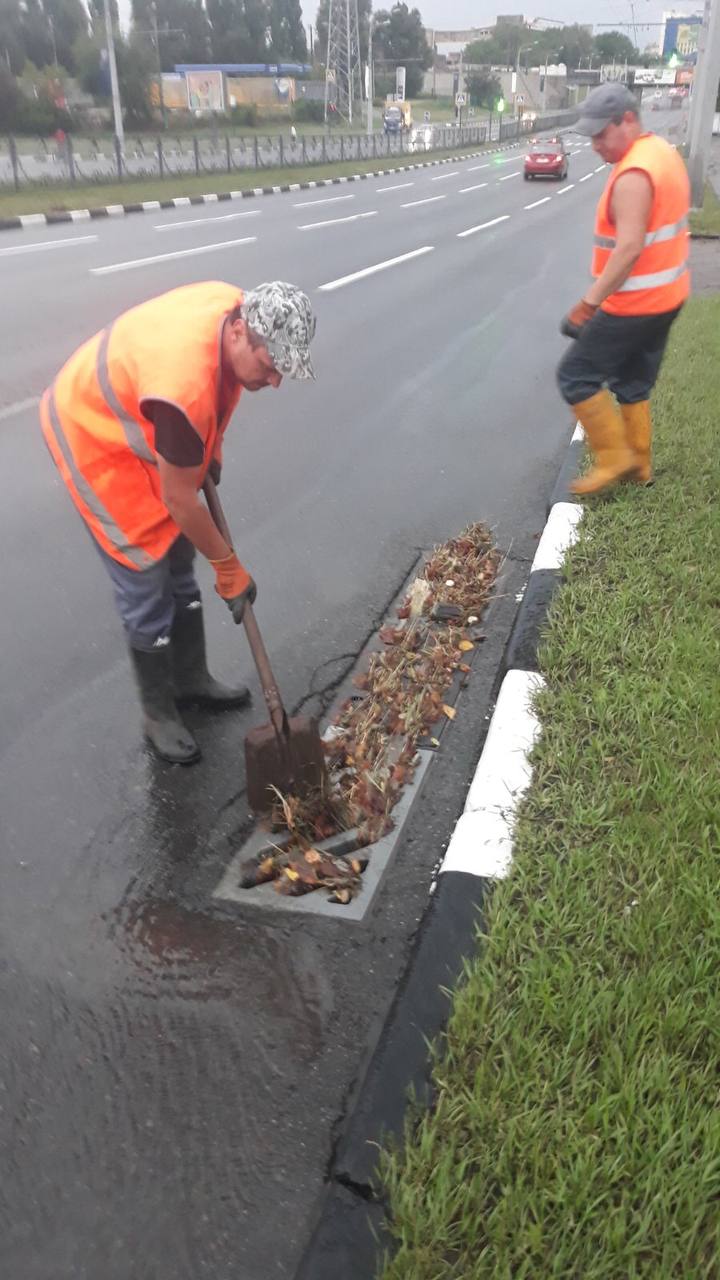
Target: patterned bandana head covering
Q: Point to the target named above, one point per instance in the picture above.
(281, 316)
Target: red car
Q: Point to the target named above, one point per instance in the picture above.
(546, 159)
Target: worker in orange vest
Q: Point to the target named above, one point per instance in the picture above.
(641, 281)
(134, 422)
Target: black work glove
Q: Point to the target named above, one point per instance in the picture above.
(215, 471)
(237, 604)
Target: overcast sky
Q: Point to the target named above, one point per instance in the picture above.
(444, 14)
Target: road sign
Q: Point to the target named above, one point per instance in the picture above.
(460, 100)
(519, 98)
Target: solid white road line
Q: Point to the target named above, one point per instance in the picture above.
(493, 223)
(19, 407)
(399, 186)
(587, 177)
(563, 190)
(535, 203)
(442, 176)
(166, 257)
(371, 271)
(41, 245)
(334, 222)
(305, 204)
(510, 175)
(428, 200)
(479, 187)
(200, 222)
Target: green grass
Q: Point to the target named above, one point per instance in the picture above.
(576, 1131)
(706, 221)
(42, 199)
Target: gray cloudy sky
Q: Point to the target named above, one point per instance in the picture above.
(443, 14)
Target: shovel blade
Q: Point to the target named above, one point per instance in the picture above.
(297, 767)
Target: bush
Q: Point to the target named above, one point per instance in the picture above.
(39, 115)
(245, 115)
(308, 110)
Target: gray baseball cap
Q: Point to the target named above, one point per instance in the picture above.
(281, 315)
(608, 102)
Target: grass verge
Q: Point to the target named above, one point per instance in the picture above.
(576, 1130)
(706, 221)
(44, 199)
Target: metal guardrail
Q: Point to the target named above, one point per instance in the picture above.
(168, 156)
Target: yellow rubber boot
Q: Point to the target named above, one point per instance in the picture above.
(638, 434)
(605, 434)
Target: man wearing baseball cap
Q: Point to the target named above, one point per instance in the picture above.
(640, 283)
(135, 422)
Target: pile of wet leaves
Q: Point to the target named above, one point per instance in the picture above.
(371, 745)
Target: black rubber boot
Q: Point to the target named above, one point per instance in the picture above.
(193, 682)
(163, 727)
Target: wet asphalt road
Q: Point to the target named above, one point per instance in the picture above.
(172, 1079)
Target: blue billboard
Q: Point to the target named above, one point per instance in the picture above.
(681, 37)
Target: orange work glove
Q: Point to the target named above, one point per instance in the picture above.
(575, 320)
(234, 584)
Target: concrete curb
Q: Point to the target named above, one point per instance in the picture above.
(175, 202)
(346, 1241)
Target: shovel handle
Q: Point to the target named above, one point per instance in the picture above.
(271, 693)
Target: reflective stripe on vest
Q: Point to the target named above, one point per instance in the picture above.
(654, 280)
(662, 234)
(133, 432)
(111, 530)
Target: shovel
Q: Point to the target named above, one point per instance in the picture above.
(286, 753)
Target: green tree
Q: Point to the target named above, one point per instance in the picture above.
(50, 29)
(8, 96)
(12, 50)
(288, 42)
(238, 30)
(184, 33)
(500, 50)
(483, 87)
(613, 46)
(399, 41)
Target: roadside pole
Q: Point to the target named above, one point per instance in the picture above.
(370, 80)
(702, 106)
(114, 86)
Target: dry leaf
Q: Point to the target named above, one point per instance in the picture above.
(450, 712)
(466, 645)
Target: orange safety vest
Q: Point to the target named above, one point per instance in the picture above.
(93, 415)
(660, 279)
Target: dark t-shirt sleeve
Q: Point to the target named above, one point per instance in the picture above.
(176, 440)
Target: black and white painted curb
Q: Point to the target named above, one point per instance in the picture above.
(178, 202)
(350, 1232)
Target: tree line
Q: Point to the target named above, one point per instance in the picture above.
(44, 41)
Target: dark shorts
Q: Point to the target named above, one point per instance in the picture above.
(146, 599)
(623, 353)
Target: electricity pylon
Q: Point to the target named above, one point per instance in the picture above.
(343, 74)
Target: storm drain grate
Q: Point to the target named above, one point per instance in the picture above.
(265, 898)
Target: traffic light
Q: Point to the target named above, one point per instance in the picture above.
(500, 106)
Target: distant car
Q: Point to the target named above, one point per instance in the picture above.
(546, 159)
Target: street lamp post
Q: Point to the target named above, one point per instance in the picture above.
(114, 85)
(370, 80)
(523, 49)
